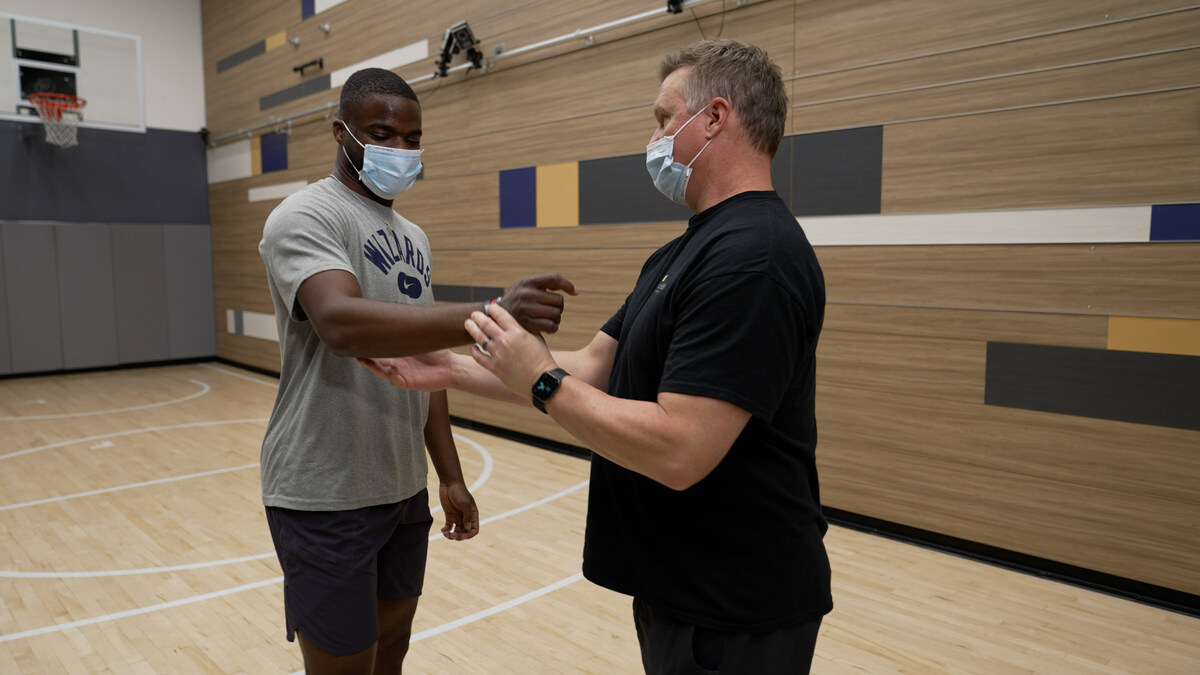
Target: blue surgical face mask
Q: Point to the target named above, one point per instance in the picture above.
(671, 177)
(387, 172)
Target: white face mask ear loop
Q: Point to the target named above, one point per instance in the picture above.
(358, 171)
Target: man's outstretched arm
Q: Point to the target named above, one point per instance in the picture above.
(677, 439)
(351, 325)
(445, 369)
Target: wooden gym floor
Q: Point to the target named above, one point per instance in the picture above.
(132, 540)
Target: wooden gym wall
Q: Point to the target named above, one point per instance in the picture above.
(1003, 197)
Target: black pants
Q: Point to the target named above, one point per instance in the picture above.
(671, 647)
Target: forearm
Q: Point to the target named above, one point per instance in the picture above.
(439, 440)
(472, 378)
(358, 327)
(637, 435)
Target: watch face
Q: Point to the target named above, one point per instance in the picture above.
(545, 385)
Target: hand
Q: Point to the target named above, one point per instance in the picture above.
(423, 372)
(508, 351)
(462, 516)
(534, 306)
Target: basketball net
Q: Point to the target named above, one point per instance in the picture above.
(60, 115)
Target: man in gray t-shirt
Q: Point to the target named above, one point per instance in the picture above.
(343, 462)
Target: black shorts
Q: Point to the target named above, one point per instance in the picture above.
(337, 563)
(672, 647)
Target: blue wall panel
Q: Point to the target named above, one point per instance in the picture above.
(518, 197)
(1175, 222)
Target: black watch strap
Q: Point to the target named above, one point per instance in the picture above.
(546, 385)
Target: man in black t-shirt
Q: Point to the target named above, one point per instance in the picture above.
(697, 395)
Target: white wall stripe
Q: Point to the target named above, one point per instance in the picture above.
(403, 56)
(204, 389)
(254, 324)
(279, 191)
(229, 162)
(322, 5)
(1033, 226)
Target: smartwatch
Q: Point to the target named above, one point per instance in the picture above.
(545, 387)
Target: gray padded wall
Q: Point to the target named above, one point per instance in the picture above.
(85, 291)
(191, 332)
(31, 284)
(5, 351)
(139, 275)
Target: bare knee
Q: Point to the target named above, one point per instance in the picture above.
(395, 632)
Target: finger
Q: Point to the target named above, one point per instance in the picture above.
(553, 282)
(474, 329)
(375, 369)
(500, 317)
(539, 326)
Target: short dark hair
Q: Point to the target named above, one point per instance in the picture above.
(740, 73)
(372, 81)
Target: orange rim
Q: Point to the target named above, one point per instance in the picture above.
(52, 105)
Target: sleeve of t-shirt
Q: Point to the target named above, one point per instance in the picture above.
(296, 246)
(737, 338)
(612, 327)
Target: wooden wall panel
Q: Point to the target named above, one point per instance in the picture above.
(1067, 330)
(834, 34)
(1125, 150)
(906, 436)
(1134, 279)
(1067, 489)
(1156, 33)
(1157, 72)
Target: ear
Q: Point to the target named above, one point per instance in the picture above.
(339, 131)
(720, 113)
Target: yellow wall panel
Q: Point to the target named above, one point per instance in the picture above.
(1156, 335)
(558, 195)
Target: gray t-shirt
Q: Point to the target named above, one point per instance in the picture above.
(339, 437)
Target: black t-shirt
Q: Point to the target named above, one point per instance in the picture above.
(730, 310)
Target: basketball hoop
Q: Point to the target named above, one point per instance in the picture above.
(61, 130)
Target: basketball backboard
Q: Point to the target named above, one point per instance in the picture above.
(101, 66)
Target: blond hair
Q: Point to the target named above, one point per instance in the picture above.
(743, 75)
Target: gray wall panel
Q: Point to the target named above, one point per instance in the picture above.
(1159, 389)
(837, 172)
(191, 330)
(111, 177)
(85, 291)
(139, 276)
(619, 190)
(31, 282)
(5, 351)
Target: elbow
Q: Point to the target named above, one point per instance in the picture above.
(680, 476)
(337, 339)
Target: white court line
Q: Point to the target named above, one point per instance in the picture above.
(233, 373)
(134, 612)
(128, 486)
(132, 572)
(496, 609)
(488, 465)
(131, 432)
(238, 589)
(204, 389)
